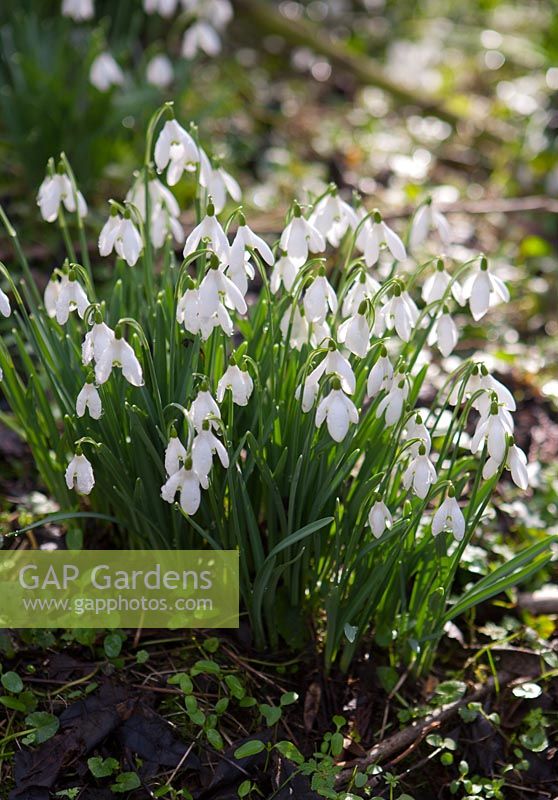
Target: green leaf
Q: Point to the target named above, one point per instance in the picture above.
(214, 738)
(235, 687)
(288, 698)
(46, 725)
(102, 767)
(290, 751)
(272, 714)
(112, 645)
(142, 656)
(12, 682)
(125, 782)
(251, 748)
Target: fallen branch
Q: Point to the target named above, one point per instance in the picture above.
(406, 739)
(303, 33)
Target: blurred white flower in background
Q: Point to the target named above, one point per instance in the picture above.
(78, 10)
(159, 71)
(105, 73)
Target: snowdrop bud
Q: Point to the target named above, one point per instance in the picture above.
(175, 454)
(379, 518)
(355, 332)
(78, 10)
(71, 297)
(420, 474)
(449, 517)
(427, 218)
(380, 375)
(393, 403)
(482, 288)
(90, 400)
(416, 429)
(79, 474)
(5, 308)
(239, 382)
(285, 272)
(318, 298)
(159, 72)
(105, 73)
(444, 334)
(300, 237)
(436, 285)
(401, 313)
(338, 410)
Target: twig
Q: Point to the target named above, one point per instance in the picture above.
(303, 33)
(403, 740)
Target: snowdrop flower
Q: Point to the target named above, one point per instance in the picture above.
(71, 297)
(219, 184)
(416, 429)
(218, 11)
(239, 381)
(5, 308)
(209, 228)
(338, 410)
(90, 400)
(204, 407)
(177, 150)
(200, 36)
(493, 386)
(332, 217)
(216, 286)
(119, 353)
(57, 189)
(120, 234)
(165, 8)
(394, 402)
(449, 517)
(105, 73)
(381, 374)
(78, 10)
(493, 429)
(444, 334)
(401, 313)
(426, 219)
(379, 518)
(318, 298)
(333, 364)
(516, 462)
(373, 234)
(420, 474)
(364, 287)
(204, 446)
(164, 210)
(239, 267)
(159, 72)
(247, 238)
(96, 342)
(175, 454)
(355, 332)
(299, 237)
(436, 285)
(284, 272)
(482, 288)
(50, 297)
(79, 474)
(295, 325)
(188, 483)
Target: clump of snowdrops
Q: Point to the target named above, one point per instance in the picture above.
(265, 395)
